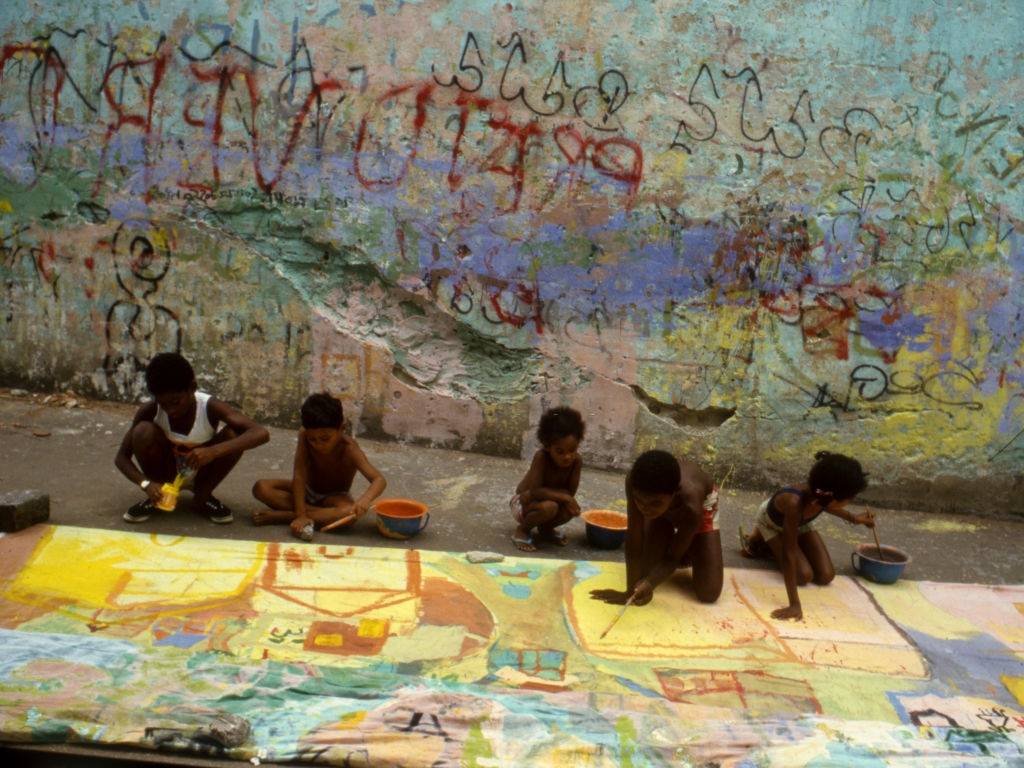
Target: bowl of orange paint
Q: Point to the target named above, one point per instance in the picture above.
(401, 518)
(606, 528)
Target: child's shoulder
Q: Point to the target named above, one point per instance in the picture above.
(146, 411)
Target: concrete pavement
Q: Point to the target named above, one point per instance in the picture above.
(66, 445)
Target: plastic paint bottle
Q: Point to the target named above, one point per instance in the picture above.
(169, 491)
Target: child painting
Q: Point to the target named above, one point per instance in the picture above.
(326, 462)
(183, 431)
(785, 524)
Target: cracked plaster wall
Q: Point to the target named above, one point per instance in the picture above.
(743, 232)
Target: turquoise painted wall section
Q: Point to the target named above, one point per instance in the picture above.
(743, 231)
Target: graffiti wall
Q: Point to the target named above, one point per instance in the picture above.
(744, 233)
(375, 656)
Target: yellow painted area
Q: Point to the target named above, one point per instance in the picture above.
(348, 721)
(372, 628)
(159, 238)
(904, 599)
(992, 608)
(136, 42)
(5, 206)
(1014, 685)
(669, 164)
(329, 641)
(841, 628)
(91, 569)
(948, 526)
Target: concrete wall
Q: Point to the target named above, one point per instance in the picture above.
(745, 231)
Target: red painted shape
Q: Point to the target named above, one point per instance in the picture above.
(518, 138)
(617, 158)
(223, 75)
(122, 118)
(465, 102)
(424, 96)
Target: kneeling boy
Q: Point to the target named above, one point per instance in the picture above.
(672, 508)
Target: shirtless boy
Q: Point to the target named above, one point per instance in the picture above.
(672, 508)
(326, 461)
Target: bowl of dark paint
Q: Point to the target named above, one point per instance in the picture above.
(606, 529)
(882, 568)
(401, 518)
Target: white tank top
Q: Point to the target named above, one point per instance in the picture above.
(202, 430)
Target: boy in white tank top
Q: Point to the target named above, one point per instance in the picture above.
(185, 431)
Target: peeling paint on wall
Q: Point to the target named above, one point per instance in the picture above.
(741, 235)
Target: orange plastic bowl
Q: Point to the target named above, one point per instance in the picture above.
(401, 518)
(606, 528)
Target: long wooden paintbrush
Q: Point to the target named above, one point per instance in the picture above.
(339, 522)
(874, 530)
(618, 616)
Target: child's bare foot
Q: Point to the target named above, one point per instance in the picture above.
(551, 535)
(269, 517)
(751, 547)
(745, 549)
(523, 540)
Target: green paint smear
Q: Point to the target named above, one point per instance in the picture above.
(627, 741)
(476, 746)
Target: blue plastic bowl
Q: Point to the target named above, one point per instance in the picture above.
(600, 533)
(866, 562)
(401, 518)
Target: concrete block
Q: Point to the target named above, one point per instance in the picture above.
(20, 509)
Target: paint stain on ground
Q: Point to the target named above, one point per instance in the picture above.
(518, 591)
(948, 526)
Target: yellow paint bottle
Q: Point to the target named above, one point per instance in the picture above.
(169, 491)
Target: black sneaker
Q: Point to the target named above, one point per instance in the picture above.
(139, 513)
(217, 512)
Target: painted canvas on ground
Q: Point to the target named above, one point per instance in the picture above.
(366, 656)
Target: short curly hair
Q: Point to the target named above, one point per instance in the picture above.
(322, 411)
(169, 372)
(837, 476)
(557, 423)
(655, 472)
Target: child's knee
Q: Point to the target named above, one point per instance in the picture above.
(825, 577)
(804, 575)
(261, 488)
(145, 435)
(709, 592)
(546, 511)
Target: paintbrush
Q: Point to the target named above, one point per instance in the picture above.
(339, 522)
(874, 530)
(618, 616)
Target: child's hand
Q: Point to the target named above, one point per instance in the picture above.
(359, 509)
(865, 518)
(611, 596)
(789, 612)
(299, 523)
(201, 456)
(643, 591)
(573, 506)
(154, 492)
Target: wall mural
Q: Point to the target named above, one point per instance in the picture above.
(711, 229)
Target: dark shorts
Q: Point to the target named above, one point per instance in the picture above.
(317, 499)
